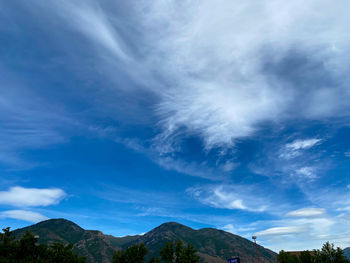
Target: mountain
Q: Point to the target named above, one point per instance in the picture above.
(346, 252)
(213, 245)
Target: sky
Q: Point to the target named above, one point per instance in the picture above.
(123, 115)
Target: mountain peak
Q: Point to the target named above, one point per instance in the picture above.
(173, 227)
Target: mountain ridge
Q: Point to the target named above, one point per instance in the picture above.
(213, 245)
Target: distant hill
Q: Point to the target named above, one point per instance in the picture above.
(213, 245)
(347, 252)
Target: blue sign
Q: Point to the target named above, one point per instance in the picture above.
(233, 260)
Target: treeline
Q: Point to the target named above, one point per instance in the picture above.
(328, 254)
(28, 250)
(172, 252)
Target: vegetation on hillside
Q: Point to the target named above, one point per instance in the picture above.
(328, 254)
(172, 252)
(27, 250)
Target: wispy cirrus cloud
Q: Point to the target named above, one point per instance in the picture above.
(295, 148)
(306, 173)
(228, 197)
(28, 122)
(258, 70)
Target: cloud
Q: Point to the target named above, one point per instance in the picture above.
(302, 144)
(170, 162)
(28, 121)
(228, 78)
(234, 230)
(306, 172)
(227, 197)
(91, 20)
(307, 232)
(307, 212)
(346, 208)
(287, 230)
(23, 215)
(294, 149)
(29, 197)
(222, 78)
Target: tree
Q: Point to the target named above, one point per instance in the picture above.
(178, 253)
(135, 254)
(27, 250)
(306, 257)
(285, 257)
(328, 254)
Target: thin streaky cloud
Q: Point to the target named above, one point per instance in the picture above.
(281, 231)
(307, 212)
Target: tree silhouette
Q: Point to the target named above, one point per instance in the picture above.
(328, 254)
(135, 254)
(178, 253)
(27, 250)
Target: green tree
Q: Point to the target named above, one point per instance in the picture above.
(60, 253)
(306, 257)
(7, 246)
(134, 253)
(167, 252)
(285, 257)
(329, 254)
(27, 250)
(178, 253)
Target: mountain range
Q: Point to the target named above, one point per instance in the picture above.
(213, 245)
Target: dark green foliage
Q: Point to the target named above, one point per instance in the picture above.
(328, 254)
(27, 250)
(170, 253)
(285, 257)
(306, 257)
(178, 253)
(154, 260)
(135, 254)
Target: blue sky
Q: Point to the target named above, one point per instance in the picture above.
(122, 115)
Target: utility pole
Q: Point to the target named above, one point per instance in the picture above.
(256, 248)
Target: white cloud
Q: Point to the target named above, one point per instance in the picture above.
(302, 144)
(23, 215)
(91, 20)
(304, 232)
(227, 197)
(345, 208)
(307, 212)
(287, 230)
(294, 149)
(220, 78)
(220, 88)
(29, 197)
(306, 172)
